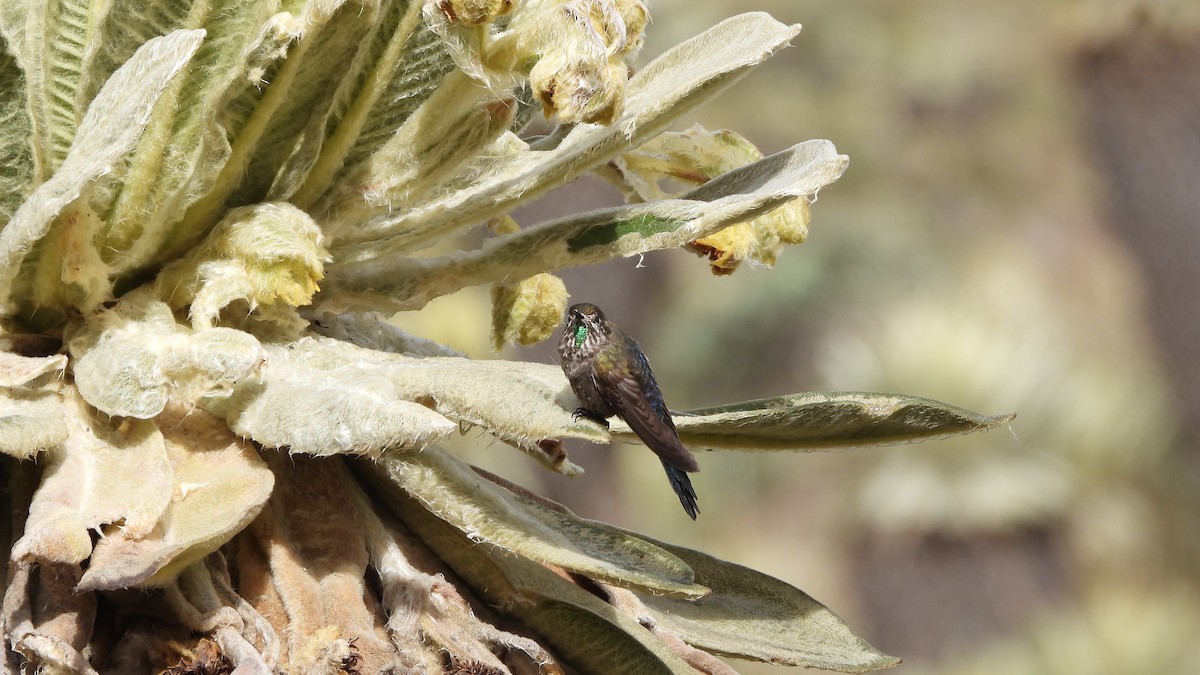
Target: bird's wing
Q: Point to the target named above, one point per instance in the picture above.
(647, 416)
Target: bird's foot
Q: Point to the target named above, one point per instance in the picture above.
(585, 413)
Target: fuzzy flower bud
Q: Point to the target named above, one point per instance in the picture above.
(268, 255)
(528, 311)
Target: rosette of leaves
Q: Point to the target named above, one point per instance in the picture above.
(218, 458)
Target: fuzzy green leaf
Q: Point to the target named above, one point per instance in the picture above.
(457, 122)
(823, 421)
(488, 513)
(306, 89)
(257, 90)
(404, 62)
(55, 35)
(797, 173)
(16, 158)
(178, 158)
(118, 28)
(108, 131)
(13, 16)
(411, 62)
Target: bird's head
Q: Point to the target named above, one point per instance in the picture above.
(585, 328)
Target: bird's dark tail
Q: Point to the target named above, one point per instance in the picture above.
(683, 487)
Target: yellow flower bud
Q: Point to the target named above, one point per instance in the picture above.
(528, 311)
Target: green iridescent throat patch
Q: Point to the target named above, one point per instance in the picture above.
(581, 332)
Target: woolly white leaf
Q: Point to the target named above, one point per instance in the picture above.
(106, 471)
(217, 485)
(18, 371)
(314, 399)
(29, 423)
(31, 416)
(131, 360)
(367, 401)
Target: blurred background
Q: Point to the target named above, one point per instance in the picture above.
(1019, 229)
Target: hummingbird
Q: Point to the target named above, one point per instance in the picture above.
(611, 376)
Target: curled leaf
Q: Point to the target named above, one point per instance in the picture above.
(22, 371)
(30, 422)
(31, 417)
